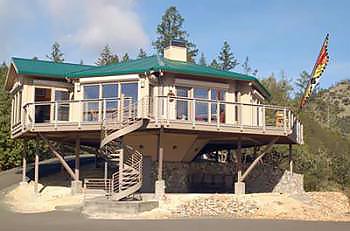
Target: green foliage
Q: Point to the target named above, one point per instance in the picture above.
(142, 53)
(56, 54)
(107, 57)
(11, 150)
(215, 64)
(226, 58)
(170, 28)
(125, 57)
(248, 70)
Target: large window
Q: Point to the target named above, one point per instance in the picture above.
(201, 95)
(16, 108)
(91, 105)
(42, 110)
(182, 104)
(110, 94)
(217, 95)
(62, 107)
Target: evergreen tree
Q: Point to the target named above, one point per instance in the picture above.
(125, 57)
(226, 58)
(171, 27)
(248, 69)
(215, 64)
(301, 82)
(202, 60)
(56, 54)
(142, 53)
(107, 57)
(35, 58)
(81, 62)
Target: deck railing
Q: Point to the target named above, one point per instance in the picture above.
(163, 109)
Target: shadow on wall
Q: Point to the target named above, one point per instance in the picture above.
(208, 177)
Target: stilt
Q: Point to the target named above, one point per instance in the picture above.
(36, 173)
(24, 164)
(239, 185)
(290, 158)
(77, 158)
(160, 183)
(76, 184)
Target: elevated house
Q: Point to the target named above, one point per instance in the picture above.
(163, 108)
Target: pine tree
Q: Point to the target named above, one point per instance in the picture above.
(81, 62)
(142, 53)
(202, 60)
(125, 57)
(35, 58)
(171, 27)
(248, 69)
(56, 54)
(301, 83)
(226, 58)
(215, 64)
(107, 57)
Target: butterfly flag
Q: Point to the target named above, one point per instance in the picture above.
(320, 66)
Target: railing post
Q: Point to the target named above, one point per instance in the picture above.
(104, 116)
(80, 113)
(264, 118)
(121, 166)
(218, 114)
(56, 113)
(240, 116)
(285, 120)
(193, 112)
(167, 109)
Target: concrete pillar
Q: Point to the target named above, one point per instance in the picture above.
(24, 163)
(36, 173)
(160, 183)
(290, 158)
(239, 185)
(77, 158)
(76, 185)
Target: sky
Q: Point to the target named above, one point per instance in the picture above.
(275, 35)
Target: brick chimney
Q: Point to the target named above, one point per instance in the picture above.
(176, 50)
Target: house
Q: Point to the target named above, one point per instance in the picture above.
(163, 108)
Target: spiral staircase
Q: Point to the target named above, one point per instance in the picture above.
(127, 179)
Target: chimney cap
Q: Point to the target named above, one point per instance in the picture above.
(178, 42)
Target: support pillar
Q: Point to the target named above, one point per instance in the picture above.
(239, 185)
(24, 164)
(76, 185)
(290, 158)
(106, 170)
(36, 173)
(160, 183)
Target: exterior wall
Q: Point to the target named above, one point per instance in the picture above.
(177, 147)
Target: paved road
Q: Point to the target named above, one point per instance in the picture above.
(66, 221)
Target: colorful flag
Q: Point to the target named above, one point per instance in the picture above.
(315, 76)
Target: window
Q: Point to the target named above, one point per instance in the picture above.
(91, 107)
(43, 110)
(110, 94)
(62, 108)
(217, 95)
(201, 110)
(182, 104)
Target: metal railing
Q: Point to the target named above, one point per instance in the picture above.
(222, 113)
(163, 109)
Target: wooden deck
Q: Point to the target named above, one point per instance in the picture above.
(290, 128)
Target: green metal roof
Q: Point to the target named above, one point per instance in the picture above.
(46, 68)
(157, 63)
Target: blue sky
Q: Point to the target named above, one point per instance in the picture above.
(276, 35)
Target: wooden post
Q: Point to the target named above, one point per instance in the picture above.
(24, 162)
(160, 165)
(239, 159)
(106, 171)
(36, 172)
(77, 157)
(290, 158)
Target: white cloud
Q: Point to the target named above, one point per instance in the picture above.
(83, 27)
(91, 24)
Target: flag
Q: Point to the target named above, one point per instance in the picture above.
(320, 66)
